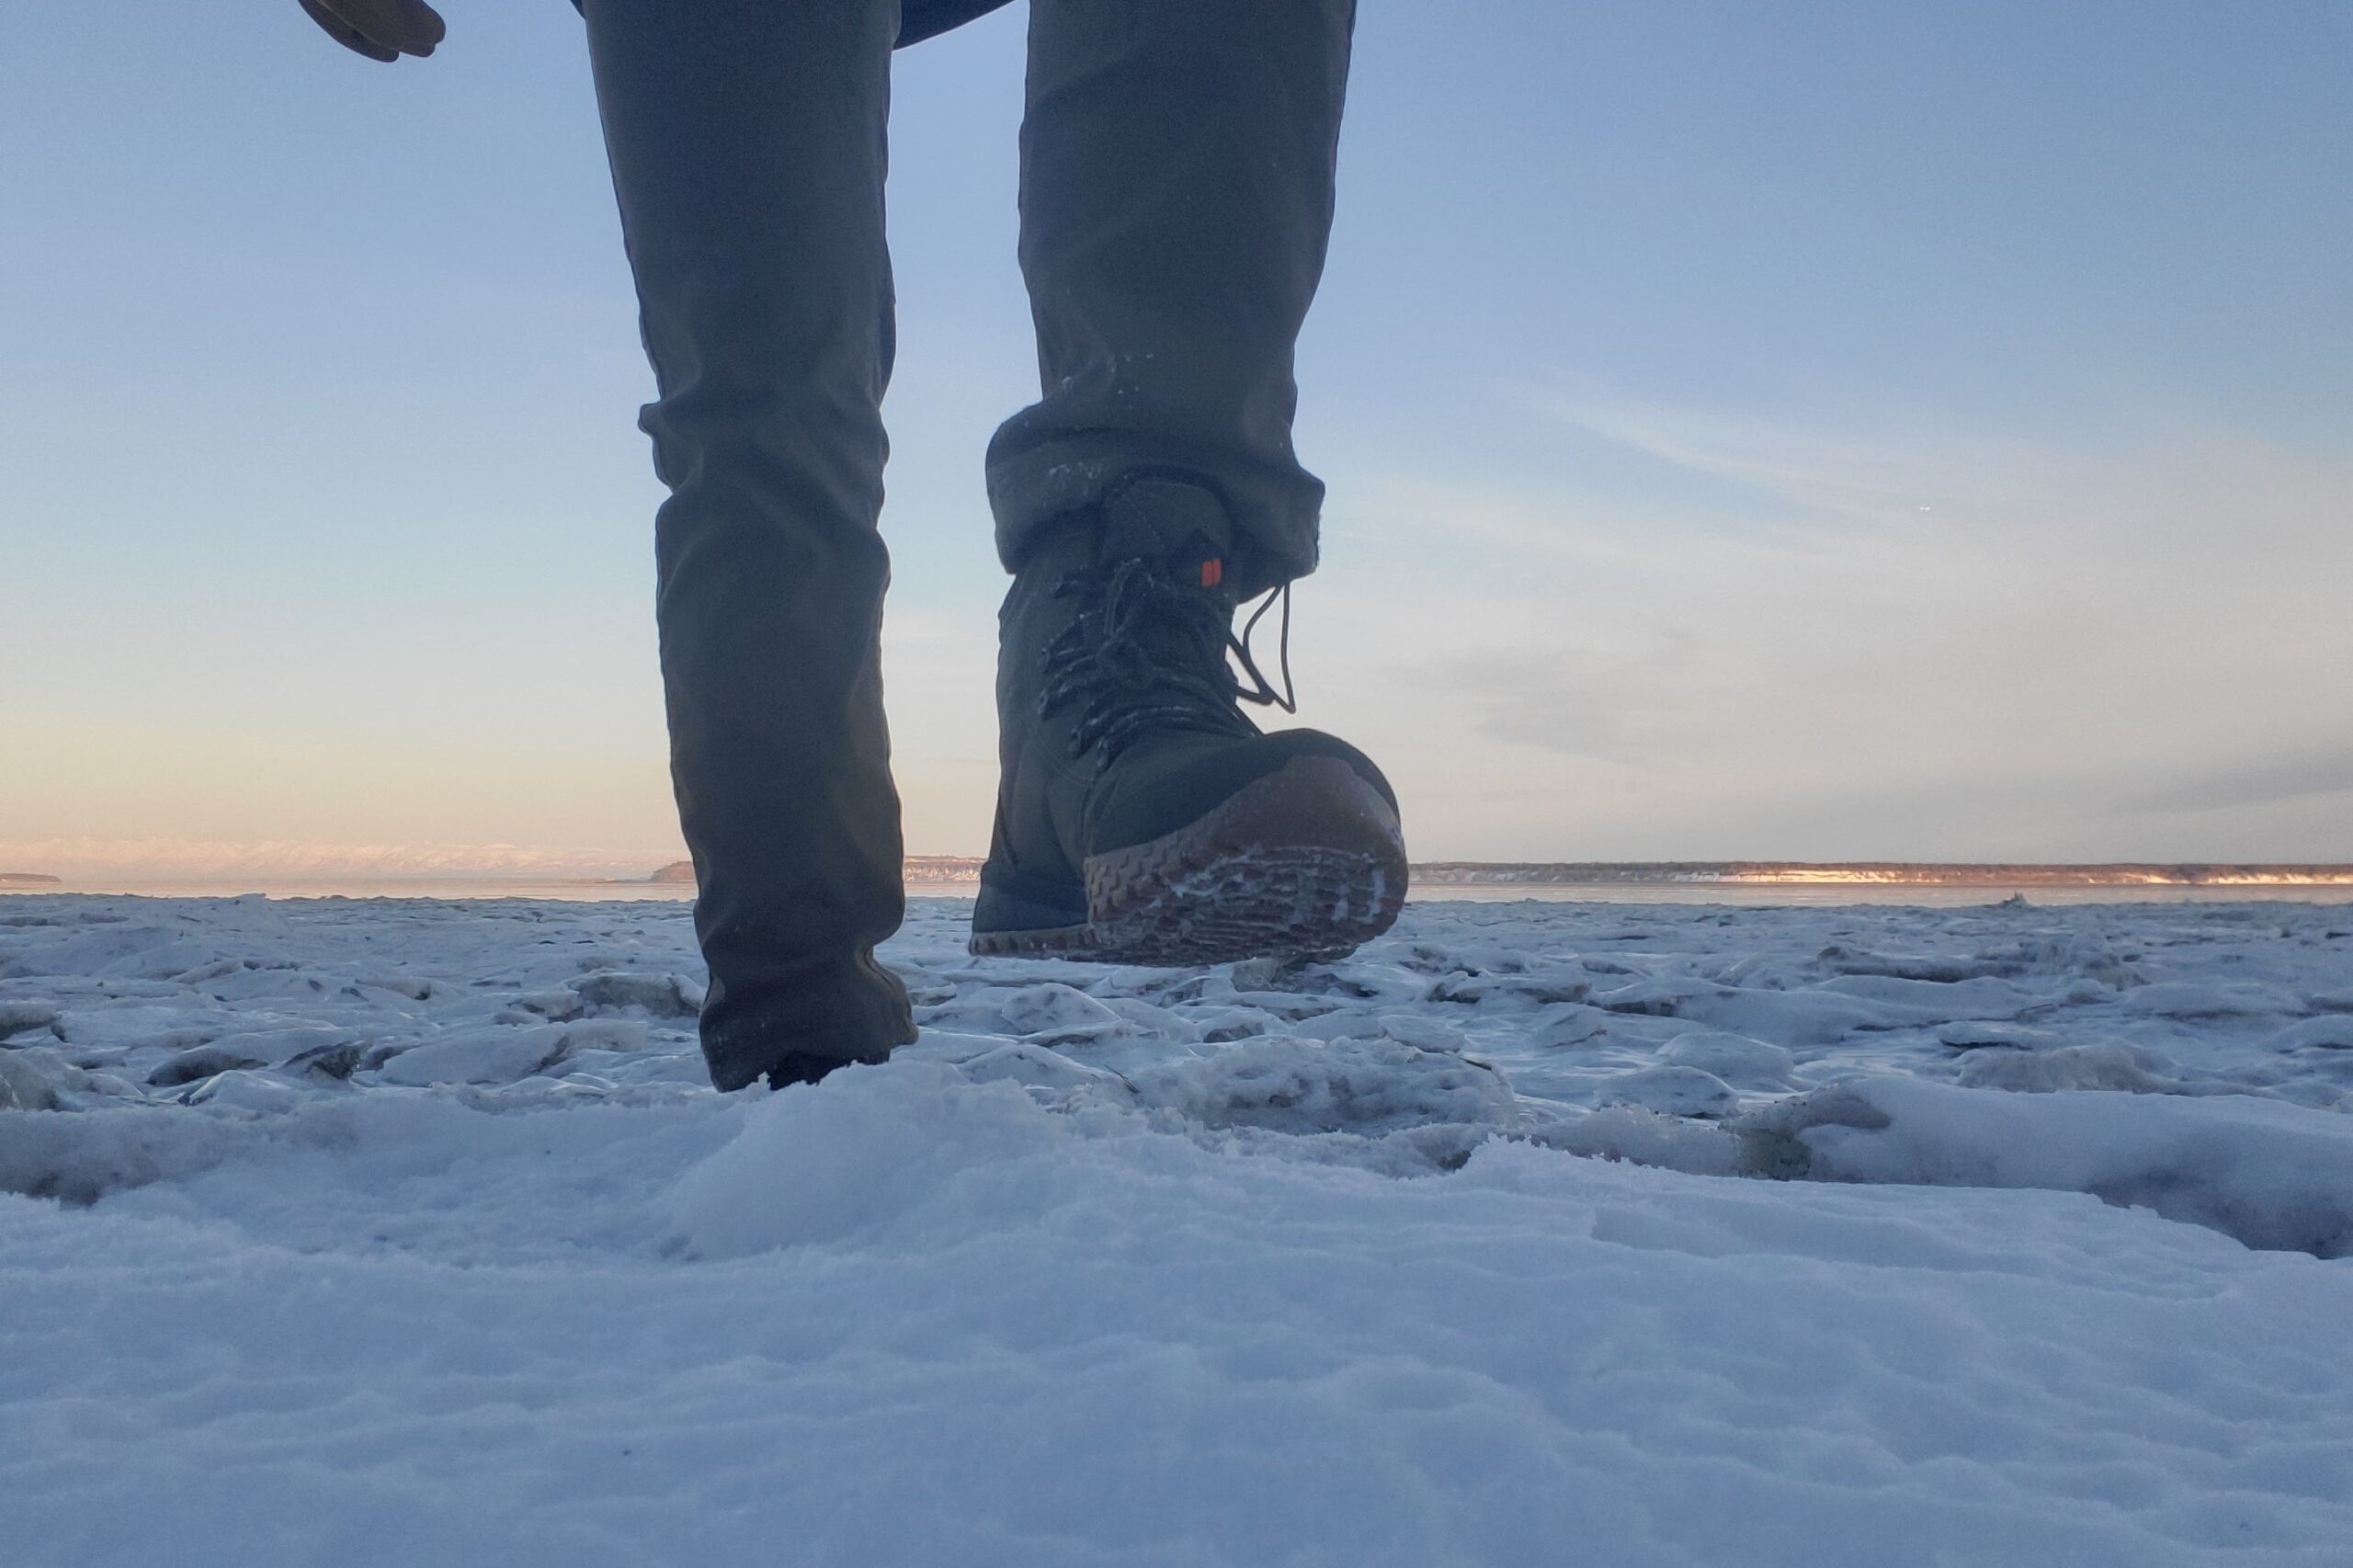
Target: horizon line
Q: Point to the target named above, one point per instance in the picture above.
(955, 869)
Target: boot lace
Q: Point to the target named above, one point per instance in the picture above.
(1148, 651)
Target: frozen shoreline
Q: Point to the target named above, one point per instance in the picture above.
(417, 1236)
(1756, 895)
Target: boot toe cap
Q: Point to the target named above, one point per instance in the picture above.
(1189, 783)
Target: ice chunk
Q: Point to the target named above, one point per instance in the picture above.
(273, 1046)
(1812, 1017)
(555, 1006)
(1935, 1001)
(1149, 1018)
(27, 1082)
(1424, 1032)
(495, 1053)
(415, 987)
(238, 1089)
(1287, 1084)
(1051, 1011)
(201, 1062)
(1671, 1091)
(1969, 1033)
(171, 1027)
(2210, 999)
(2107, 1064)
(1567, 1025)
(1735, 1058)
(2270, 1173)
(331, 1061)
(2087, 954)
(1033, 1067)
(2326, 1031)
(620, 1034)
(1942, 967)
(22, 1017)
(659, 996)
(1641, 1137)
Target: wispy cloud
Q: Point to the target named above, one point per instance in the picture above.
(1838, 472)
(2078, 652)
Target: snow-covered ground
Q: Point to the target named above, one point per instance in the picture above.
(409, 1232)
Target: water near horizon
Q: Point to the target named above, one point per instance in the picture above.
(1737, 894)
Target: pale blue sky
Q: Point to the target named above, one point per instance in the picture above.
(1812, 430)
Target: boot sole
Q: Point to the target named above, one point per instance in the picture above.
(1308, 860)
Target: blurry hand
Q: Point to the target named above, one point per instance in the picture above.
(380, 29)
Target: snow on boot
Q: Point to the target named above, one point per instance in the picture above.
(1142, 816)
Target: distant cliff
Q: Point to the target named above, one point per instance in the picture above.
(932, 869)
(27, 879)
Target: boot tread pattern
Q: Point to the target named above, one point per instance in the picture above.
(1308, 860)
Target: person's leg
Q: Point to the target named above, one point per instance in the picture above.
(747, 147)
(1176, 190)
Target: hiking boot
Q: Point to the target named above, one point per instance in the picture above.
(1142, 816)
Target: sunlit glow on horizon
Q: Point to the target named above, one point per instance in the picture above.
(138, 864)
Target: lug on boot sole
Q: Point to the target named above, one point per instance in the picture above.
(1307, 860)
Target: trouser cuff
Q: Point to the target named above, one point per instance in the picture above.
(1273, 512)
(859, 1013)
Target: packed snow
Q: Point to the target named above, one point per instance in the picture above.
(409, 1232)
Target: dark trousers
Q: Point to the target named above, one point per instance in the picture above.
(1176, 186)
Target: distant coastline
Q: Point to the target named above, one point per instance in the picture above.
(937, 870)
(1897, 873)
(1640, 880)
